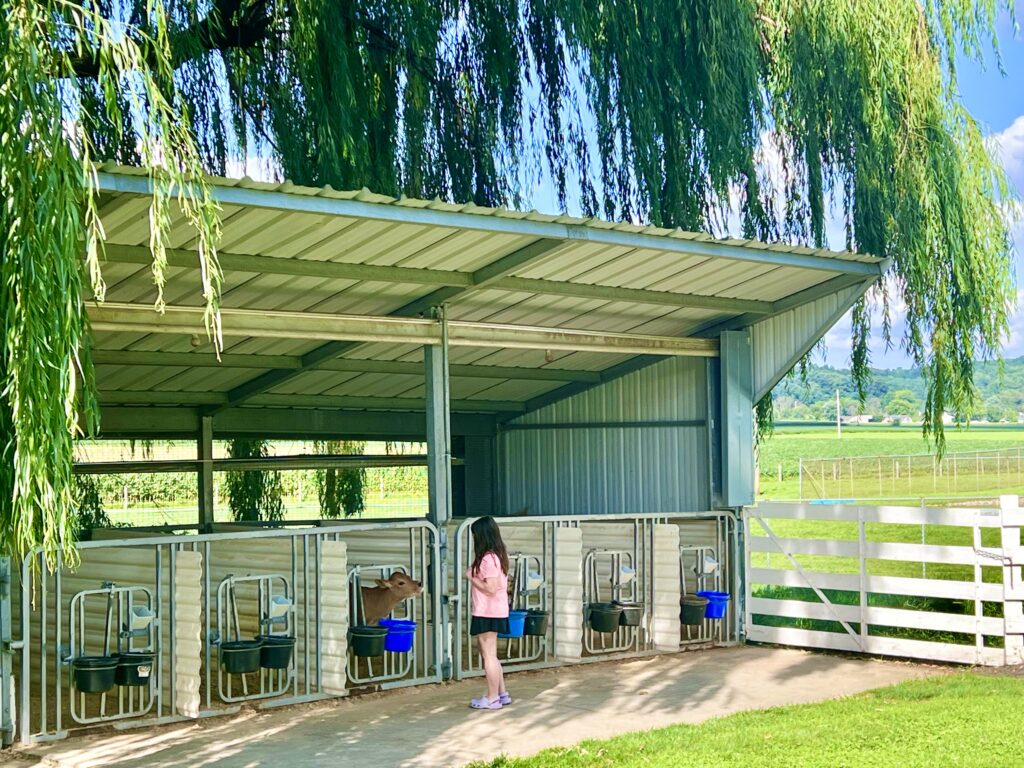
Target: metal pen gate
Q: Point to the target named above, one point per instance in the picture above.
(188, 581)
(535, 537)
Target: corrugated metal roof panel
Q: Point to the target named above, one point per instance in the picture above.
(272, 227)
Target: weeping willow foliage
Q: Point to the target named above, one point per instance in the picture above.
(50, 234)
(340, 490)
(770, 116)
(253, 495)
(706, 114)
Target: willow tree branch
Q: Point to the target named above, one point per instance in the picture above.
(230, 24)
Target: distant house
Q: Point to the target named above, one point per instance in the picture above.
(898, 420)
(861, 418)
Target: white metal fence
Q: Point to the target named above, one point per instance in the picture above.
(847, 578)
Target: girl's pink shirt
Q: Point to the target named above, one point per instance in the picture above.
(490, 606)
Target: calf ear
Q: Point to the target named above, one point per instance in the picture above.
(382, 583)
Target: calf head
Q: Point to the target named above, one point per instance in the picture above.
(380, 600)
(400, 586)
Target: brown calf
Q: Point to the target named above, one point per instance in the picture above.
(379, 601)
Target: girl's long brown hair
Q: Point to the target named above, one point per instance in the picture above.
(487, 538)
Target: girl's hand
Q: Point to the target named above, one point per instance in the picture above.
(469, 573)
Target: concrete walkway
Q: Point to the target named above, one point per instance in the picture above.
(431, 726)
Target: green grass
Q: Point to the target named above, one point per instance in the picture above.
(959, 720)
(789, 444)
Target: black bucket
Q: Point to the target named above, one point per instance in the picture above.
(536, 623)
(94, 674)
(276, 652)
(239, 657)
(604, 617)
(368, 640)
(134, 668)
(632, 613)
(691, 609)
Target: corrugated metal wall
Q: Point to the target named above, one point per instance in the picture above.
(552, 464)
(780, 341)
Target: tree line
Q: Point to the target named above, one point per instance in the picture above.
(811, 395)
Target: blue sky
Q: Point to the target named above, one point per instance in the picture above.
(997, 102)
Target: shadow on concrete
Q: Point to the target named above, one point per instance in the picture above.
(433, 726)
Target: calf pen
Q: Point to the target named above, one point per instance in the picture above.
(146, 630)
(567, 565)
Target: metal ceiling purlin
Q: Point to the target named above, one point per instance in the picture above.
(123, 397)
(306, 423)
(515, 225)
(451, 283)
(335, 349)
(350, 365)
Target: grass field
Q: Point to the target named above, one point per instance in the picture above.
(965, 719)
(783, 451)
(376, 507)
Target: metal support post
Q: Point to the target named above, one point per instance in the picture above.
(206, 474)
(6, 654)
(439, 473)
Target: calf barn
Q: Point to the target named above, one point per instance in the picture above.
(590, 384)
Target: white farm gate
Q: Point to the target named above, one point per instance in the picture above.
(914, 582)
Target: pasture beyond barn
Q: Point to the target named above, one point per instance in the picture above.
(431, 726)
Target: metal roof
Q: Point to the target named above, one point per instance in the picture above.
(292, 249)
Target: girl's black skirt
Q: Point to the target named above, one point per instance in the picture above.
(480, 624)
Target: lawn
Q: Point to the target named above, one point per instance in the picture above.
(966, 719)
(783, 451)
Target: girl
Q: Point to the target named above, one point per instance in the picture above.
(489, 578)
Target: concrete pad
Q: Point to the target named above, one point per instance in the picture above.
(432, 726)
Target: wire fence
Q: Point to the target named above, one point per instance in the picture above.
(173, 498)
(965, 474)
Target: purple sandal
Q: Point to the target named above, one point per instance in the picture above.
(484, 703)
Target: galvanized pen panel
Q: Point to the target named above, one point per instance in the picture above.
(233, 588)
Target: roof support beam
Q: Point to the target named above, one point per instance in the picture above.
(304, 325)
(426, 215)
(631, 295)
(270, 265)
(347, 365)
(334, 349)
(305, 423)
(161, 397)
(481, 278)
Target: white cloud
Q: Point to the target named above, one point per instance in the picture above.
(1009, 148)
(1009, 145)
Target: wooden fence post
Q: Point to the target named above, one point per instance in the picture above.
(1011, 518)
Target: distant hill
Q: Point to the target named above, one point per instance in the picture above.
(893, 392)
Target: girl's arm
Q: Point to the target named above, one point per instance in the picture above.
(491, 586)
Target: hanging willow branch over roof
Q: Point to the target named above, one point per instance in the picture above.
(668, 111)
(690, 113)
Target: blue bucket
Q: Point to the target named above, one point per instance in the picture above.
(400, 636)
(717, 604)
(516, 624)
